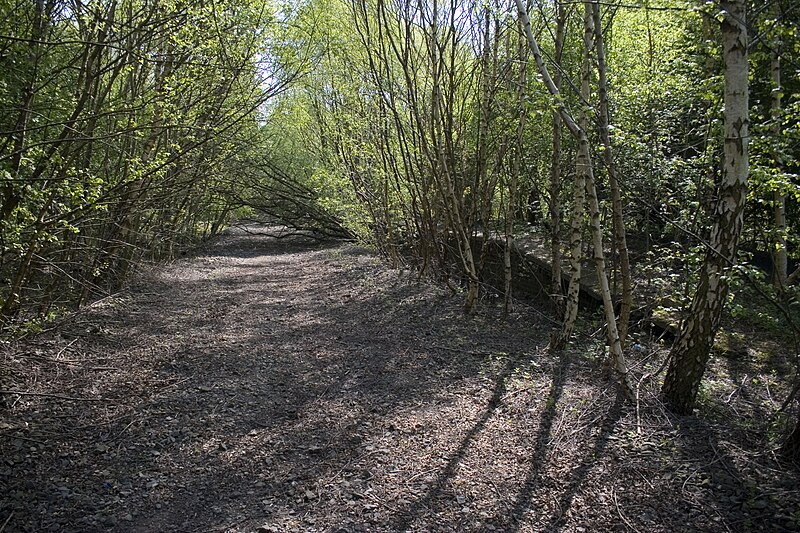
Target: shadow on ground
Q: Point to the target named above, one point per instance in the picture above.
(300, 386)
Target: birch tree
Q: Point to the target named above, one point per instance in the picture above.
(690, 353)
(779, 257)
(554, 204)
(620, 240)
(617, 358)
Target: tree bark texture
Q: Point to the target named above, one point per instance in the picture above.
(584, 177)
(690, 353)
(522, 84)
(554, 205)
(616, 197)
(779, 258)
(791, 448)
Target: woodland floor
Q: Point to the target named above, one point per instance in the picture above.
(270, 386)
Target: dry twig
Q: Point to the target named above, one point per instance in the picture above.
(3, 527)
(619, 511)
(48, 395)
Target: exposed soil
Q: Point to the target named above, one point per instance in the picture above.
(289, 385)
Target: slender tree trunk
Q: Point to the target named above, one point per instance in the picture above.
(617, 358)
(616, 197)
(474, 212)
(583, 170)
(487, 186)
(615, 348)
(522, 83)
(791, 447)
(9, 196)
(779, 256)
(554, 206)
(571, 304)
(690, 353)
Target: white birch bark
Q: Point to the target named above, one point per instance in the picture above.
(690, 353)
(585, 169)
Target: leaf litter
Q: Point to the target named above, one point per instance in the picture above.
(297, 385)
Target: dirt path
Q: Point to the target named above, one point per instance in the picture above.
(290, 386)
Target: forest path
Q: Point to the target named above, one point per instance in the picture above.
(267, 385)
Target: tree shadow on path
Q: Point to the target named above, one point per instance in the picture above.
(255, 382)
(535, 479)
(428, 501)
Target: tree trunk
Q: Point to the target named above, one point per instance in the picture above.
(9, 196)
(554, 206)
(475, 211)
(690, 353)
(585, 169)
(613, 184)
(791, 448)
(779, 256)
(522, 83)
(617, 358)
